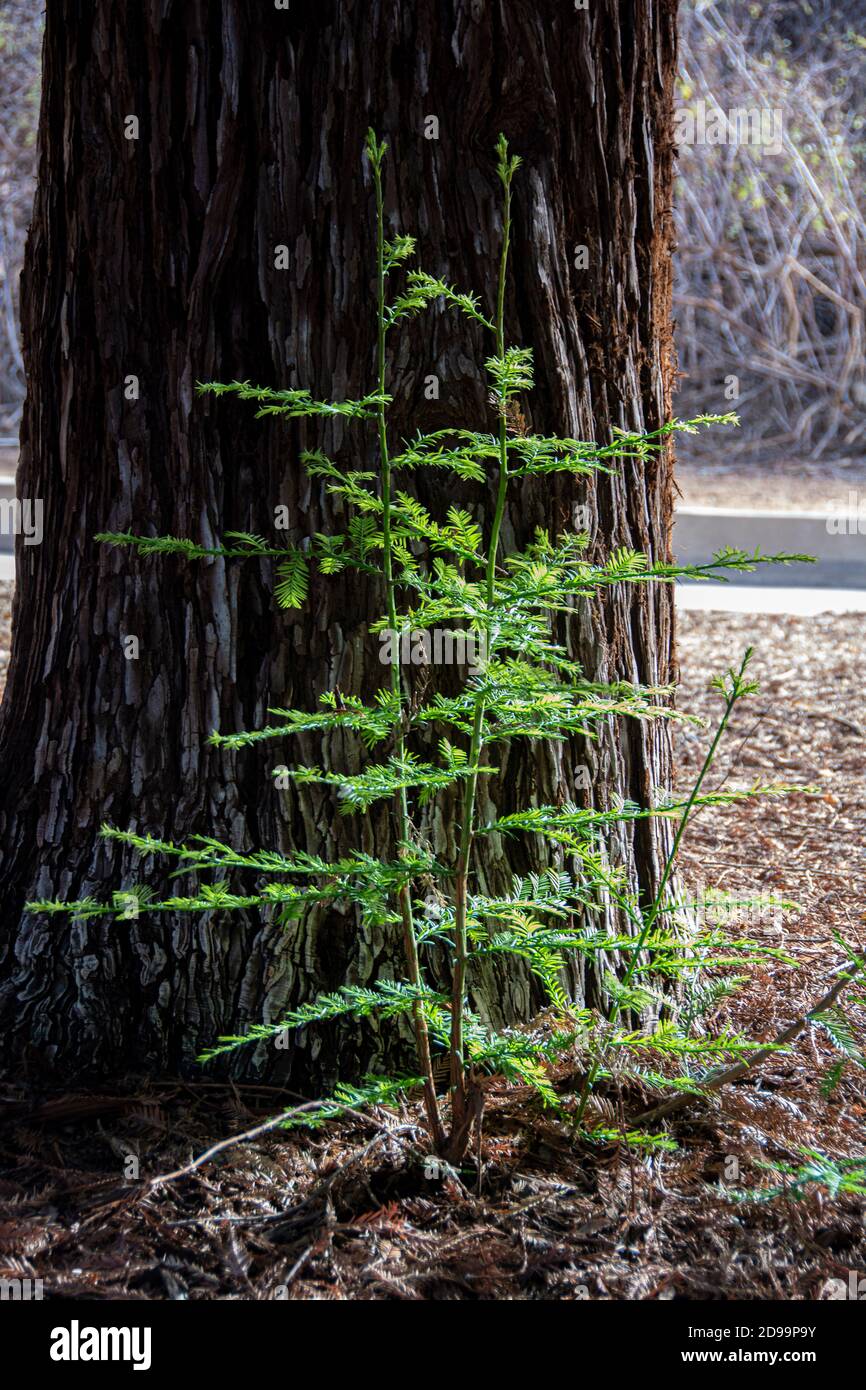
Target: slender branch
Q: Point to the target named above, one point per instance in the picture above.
(721, 1076)
(737, 689)
(310, 1107)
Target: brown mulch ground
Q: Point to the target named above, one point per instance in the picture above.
(355, 1213)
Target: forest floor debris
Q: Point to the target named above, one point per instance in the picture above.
(359, 1210)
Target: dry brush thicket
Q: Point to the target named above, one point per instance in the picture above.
(771, 264)
(20, 47)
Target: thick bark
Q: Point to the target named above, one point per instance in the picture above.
(155, 257)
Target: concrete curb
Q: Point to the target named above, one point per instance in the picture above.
(837, 539)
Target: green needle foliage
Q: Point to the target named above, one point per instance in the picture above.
(820, 1173)
(454, 572)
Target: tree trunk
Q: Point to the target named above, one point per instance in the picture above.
(155, 258)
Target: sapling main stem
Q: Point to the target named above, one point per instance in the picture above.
(459, 1134)
(410, 940)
